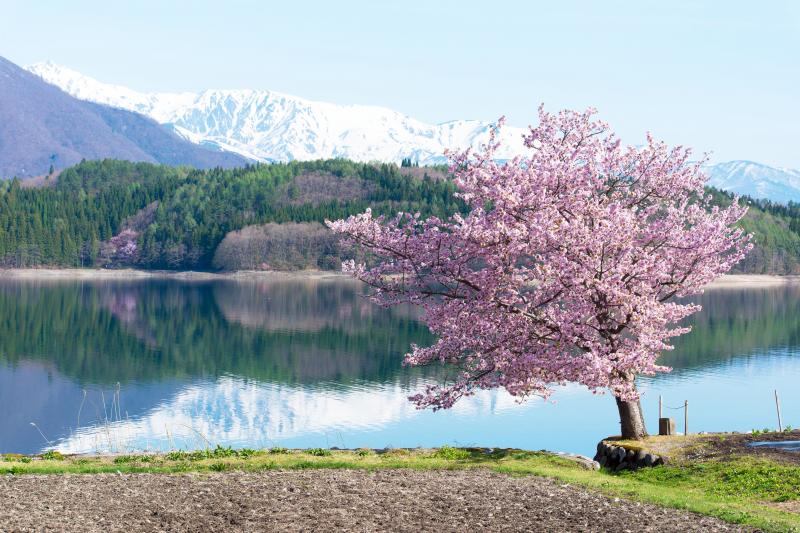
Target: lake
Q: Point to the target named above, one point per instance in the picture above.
(114, 366)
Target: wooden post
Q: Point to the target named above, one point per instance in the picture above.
(778, 407)
(686, 417)
(666, 426)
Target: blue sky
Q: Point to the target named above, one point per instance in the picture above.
(721, 76)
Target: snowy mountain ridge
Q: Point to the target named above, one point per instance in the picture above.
(756, 180)
(271, 126)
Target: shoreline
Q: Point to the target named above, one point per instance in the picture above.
(92, 274)
(752, 280)
(129, 274)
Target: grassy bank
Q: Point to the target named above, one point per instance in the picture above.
(757, 491)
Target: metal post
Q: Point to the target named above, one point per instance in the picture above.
(660, 406)
(778, 407)
(686, 417)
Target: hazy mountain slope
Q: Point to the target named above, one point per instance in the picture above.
(272, 126)
(756, 180)
(42, 125)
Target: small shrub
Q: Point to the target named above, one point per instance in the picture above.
(52, 455)
(452, 454)
(177, 455)
(221, 451)
(219, 467)
(278, 450)
(318, 452)
(244, 453)
(363, 452)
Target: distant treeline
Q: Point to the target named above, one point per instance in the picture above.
(115, 213)
(776, 230)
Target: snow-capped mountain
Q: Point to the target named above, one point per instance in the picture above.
(756, 180)
(266, 125)
(270, 126)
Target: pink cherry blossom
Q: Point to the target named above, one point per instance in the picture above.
(124, 244)
(566, 267)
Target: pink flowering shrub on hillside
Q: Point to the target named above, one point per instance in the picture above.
(123, 245)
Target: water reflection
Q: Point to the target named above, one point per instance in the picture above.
(161, 364)
(246, 413)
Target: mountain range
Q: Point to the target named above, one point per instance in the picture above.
(756, 180)
(271, 126)
(42, 126)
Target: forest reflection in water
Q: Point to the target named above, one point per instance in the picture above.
(313, 363)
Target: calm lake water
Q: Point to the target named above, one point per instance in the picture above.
(154, 365)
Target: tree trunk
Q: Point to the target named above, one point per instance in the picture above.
(631, 420)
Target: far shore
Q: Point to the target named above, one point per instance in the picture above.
(752, 280)
(89, 274)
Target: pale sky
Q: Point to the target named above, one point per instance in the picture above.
(721, 76)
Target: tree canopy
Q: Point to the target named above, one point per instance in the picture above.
(563, 269)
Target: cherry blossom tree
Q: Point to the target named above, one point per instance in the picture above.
(123, 245)
(566, 267)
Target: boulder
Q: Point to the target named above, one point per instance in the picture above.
(621, 453)
(582, 460)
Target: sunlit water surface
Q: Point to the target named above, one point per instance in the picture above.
(155, 365)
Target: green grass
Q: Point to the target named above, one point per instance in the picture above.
(743, 490)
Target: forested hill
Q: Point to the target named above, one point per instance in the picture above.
(114, 213)
(117, 213)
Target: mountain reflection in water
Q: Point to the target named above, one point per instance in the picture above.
(312, 363)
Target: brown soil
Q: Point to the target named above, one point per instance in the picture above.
(325, 500)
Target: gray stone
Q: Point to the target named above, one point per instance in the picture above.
(621, 454)
(582, 460)
(648, 459)
(640, 456)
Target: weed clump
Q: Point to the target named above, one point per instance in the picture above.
(451, 454)
(52, 455)
(127, 459)
(220, 452)
(318, 452)
(278, 450)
